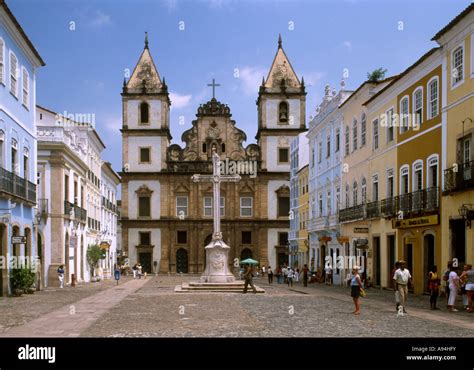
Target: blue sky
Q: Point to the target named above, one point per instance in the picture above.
(85, 67)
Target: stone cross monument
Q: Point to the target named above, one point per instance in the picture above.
(217, 251)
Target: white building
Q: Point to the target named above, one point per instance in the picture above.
(109, 218)
(324, 135)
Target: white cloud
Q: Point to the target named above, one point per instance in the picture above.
(97, 18)
(312, 78)
(179, 101)
(171, 5)
(348, 45)
(251, 79)
(112, 124)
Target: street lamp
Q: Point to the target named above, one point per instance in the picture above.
(466, 211)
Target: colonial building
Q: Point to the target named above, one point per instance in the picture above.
(357, 209)
(109, 180)
(299, 211)
(326, 152)
(166, 218)
(457, 111)
(19, 62)
(69, 195)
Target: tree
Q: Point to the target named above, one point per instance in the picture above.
(376, 75)
(94, 254)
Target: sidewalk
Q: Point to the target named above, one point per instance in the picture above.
(72, 318)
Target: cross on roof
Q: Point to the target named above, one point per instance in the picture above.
(213, 88)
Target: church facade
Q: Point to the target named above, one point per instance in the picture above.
(167, 218)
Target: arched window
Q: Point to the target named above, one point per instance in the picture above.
(347, 196)
(346, 141)
(404, 181)
(418, 105)
(283, 112)
(363, 130)
(417, 175)
(354, 135)
(354, 193)
(144, 113)
(433, 98)
(432, 172)
(2, 59)
(404, 116)
(364, 190)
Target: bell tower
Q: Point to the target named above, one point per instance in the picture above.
(281, 112)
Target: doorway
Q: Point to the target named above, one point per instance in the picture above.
(145, 260)
(376, 241)
(391, 259)
(458, 240)
(246, 253)
(409, 260)
(182, 261)
(428, 256)
(3, 252)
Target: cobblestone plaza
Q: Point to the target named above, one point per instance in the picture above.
(150, 308)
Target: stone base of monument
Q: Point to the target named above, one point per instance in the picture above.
(236, 286)
(217, 276)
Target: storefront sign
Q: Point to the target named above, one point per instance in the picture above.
(416, 222)
(325, 239)
(18, 239)
(343, 239)
(361, 230)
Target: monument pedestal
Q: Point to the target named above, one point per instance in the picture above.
(217, 277)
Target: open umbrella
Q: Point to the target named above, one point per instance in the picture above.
(249, 261)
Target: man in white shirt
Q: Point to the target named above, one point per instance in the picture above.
(402, 278)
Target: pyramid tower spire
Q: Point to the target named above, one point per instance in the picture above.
(281, 72)
(145, 76)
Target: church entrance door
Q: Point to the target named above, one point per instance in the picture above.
(182, 261)
(145, 261)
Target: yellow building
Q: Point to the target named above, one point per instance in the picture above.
(357, 209)
(303, 211)
(404, 172)
(457, 43)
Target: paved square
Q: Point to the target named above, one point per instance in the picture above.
(150, 308)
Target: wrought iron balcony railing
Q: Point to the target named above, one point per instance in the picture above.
(459, 177)
(372, 209)
(77, 212)
(352, 213)
(417, 202)
(17, 186)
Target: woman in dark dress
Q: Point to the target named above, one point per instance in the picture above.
(356, 285)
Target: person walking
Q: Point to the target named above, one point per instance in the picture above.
(297, 275)
(328, 271)
(402, 278)
(290, 277)
(139, 270)
(248, 275)
(470, 287)
(278, 274)
(445, 279)
(433, 287)
(270, 275)
(284, 271)
(356, 286)
(61, 276)
(454, 284)
(134, 270)
(305, 275)
(394, 286)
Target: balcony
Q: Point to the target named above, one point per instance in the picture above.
(372, 209)
(107, 204)
(17, 186)
(411, 204)
(388, 207)
(351, 213)
(458, 178)
(77, 212)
